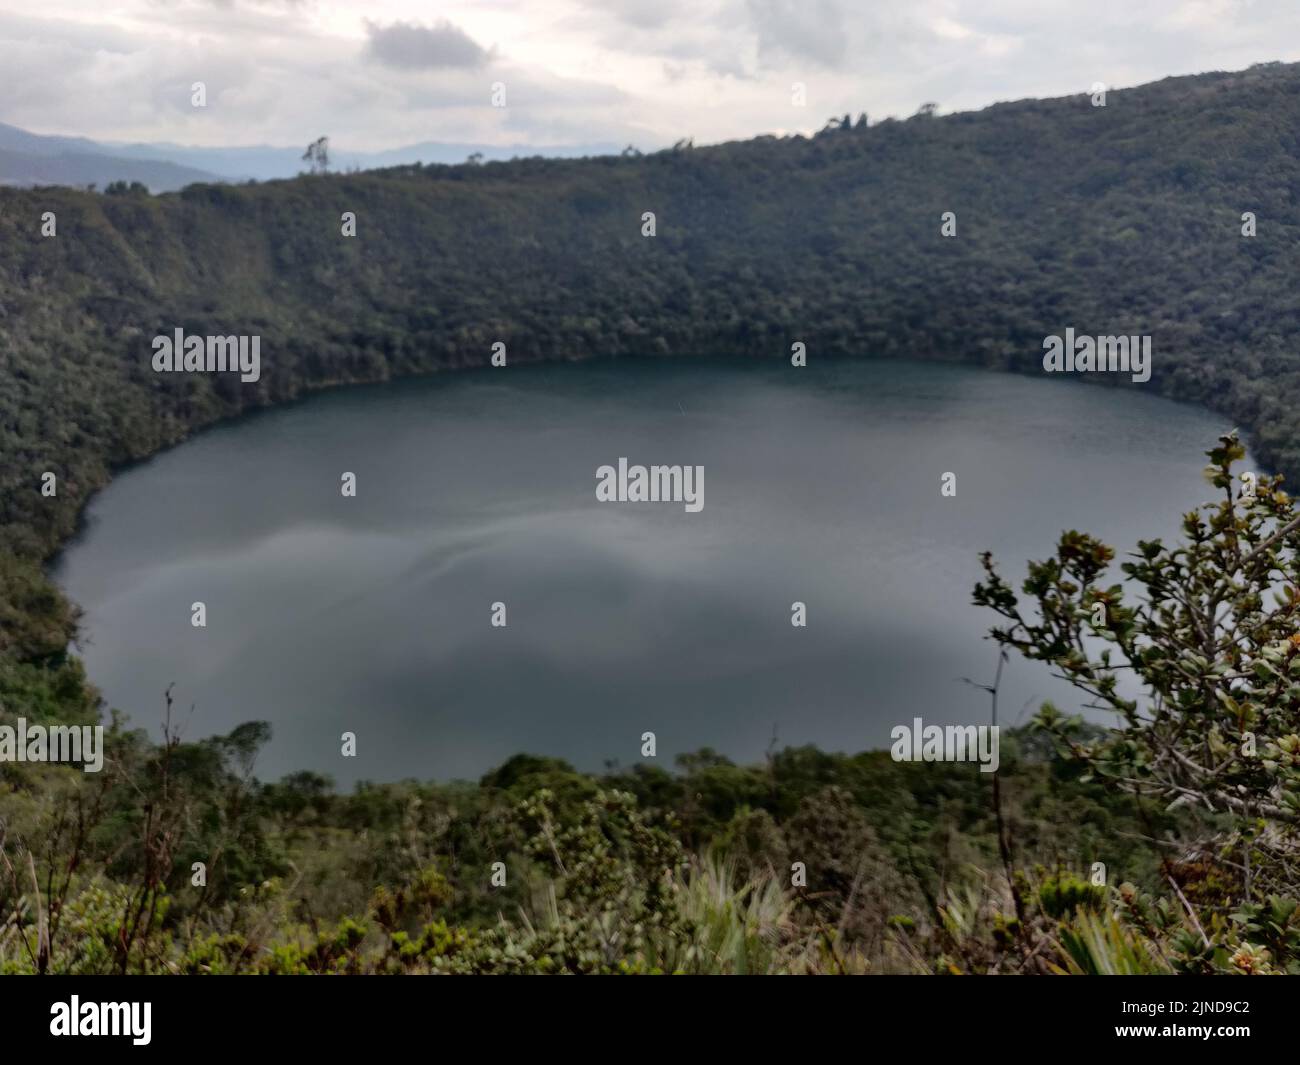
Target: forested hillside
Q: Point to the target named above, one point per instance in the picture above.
(1117, 219)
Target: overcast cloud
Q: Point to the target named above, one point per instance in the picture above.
(408, 45)
(378, 74)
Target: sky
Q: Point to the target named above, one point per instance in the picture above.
(375, 74)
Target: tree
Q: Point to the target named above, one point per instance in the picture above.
(317, 155)
(1198, 655)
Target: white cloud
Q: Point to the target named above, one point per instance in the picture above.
(799, 30)
(379, 73)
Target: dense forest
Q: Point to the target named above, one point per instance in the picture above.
(1122, 219)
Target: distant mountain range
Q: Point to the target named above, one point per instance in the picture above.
(34, 159)
(30, 159)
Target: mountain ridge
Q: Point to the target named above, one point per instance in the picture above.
(1118, 219)
(106, 161)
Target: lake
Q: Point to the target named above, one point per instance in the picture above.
(373, 614)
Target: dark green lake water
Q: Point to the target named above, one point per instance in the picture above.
(371, 614)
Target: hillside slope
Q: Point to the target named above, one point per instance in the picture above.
(1117, 219)
(81, 169)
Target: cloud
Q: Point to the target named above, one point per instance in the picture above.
(410, 46)
(643, 14)
(22, 33)
(800, 30)
(375, 74)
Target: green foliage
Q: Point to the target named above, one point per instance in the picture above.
(1098, 944)
(1066, 894)
(1197, 654)
(397, 878)
(1208, 632)
(1272, 931)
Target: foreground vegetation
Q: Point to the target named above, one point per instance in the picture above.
(1165, 844)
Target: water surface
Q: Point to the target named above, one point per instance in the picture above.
(372, 614)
